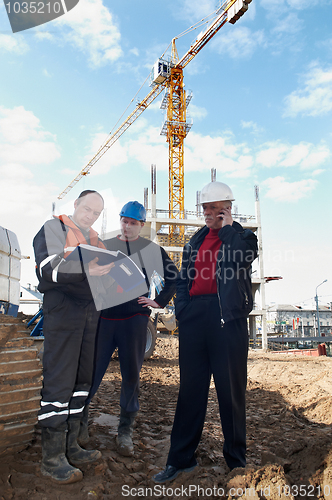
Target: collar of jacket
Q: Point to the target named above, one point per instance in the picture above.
(93, 235)
(198, 237)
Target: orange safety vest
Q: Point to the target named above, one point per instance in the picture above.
(75, 236)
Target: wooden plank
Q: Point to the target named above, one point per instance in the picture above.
(20, 395)
(5, 319)
(34, 383)
(18, 430)
(20, 440)
(25, 365)
(18, 354)
(15, 407)
(6, 332)
(20, 376)
(18, 342)
(12, 426)
(23, 412)
(20, 384)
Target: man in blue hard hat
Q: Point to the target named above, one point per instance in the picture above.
(123, 324)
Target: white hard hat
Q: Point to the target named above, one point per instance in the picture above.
(216, 191)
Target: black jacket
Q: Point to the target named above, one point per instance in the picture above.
(56, 239)
(238, 250)
(149, 257)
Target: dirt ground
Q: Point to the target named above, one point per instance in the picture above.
(289, 418)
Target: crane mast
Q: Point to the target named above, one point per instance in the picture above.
(175, 129)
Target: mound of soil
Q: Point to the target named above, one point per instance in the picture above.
(289, 418)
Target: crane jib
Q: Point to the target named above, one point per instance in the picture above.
(230, 11)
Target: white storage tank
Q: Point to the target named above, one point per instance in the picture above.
(10, 272)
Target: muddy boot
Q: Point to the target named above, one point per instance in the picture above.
(75, 454)
(54, 462)
(124, 439)
(83, 436)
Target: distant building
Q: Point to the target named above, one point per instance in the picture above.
(30, 300)
(295, 321)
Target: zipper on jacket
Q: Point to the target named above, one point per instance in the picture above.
(222, 321)
(244, 293)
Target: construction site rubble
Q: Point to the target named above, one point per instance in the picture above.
(289, 418)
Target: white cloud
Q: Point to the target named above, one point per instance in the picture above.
(303, 4)
(14, 44)
(290, 24)
(44, 35)
(115, 156)
(23, 140)
(148, 147)
(31, 152)
(90, 27)
(14, 171)
(18, 125)
(279, 189)
(238, 43)
(317, 172)
(279, 7)
(315, 96)
(290, 258)
(204, 152)
(302, 155)
(285, 25)
(197, 9)
(197, 112)
(251, 125)
(144, 144)
(25, 204)
(23, 143)
(68, 171)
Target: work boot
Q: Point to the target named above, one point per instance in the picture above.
(83, 436)
(75, 454)
(54, 461)
(124, 439)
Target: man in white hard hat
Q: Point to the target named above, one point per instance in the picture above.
(213, 301)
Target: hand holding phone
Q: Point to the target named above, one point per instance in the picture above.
(225, 216)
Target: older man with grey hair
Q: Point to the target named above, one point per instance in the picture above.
(213, 301)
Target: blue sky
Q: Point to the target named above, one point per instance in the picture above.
(261, 111)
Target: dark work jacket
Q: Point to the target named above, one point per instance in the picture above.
(149, 257)
(52, 244)
(238, 249)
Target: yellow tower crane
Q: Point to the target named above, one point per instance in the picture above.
(168, 74)
(176, 129)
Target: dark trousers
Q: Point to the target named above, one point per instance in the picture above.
(206, 349)
(129, 336)
(69, 330)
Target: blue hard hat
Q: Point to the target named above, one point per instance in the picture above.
(133, 210)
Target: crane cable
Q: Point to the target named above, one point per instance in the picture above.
(103, 144)
(200, 23)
